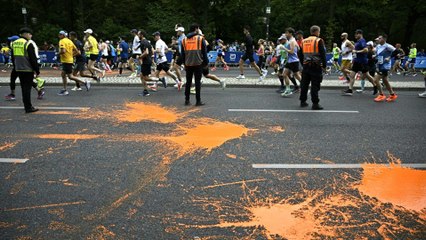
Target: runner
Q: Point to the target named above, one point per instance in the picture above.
(384, 54)
(336, 55)
(220, 49)
(93, 51)
(281, 62)
(177, 65)
(292, 65)
(359, 63)
(249, 55)
(399, 54)
(5, 50)
(136, 52)
(67, 51)
(123, 47)
(161, 60)
(80, 62)
(261, 54)
(371, 56)
(411, 62)
(146, 50)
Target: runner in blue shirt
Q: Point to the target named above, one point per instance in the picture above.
(123, 47)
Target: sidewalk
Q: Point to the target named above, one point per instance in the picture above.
(329, 82)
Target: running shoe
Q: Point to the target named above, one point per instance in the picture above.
(223, 84)
(133, 75)
(179, 85)
(192, 91)
(264, 72)
(286, 93)
(357, 76)
(213, 69)
(342, 77)
(423, 94)
(40, 83)
(153, 87)
(63, 93)
(145, 93)
(380, 98)
(241, 76)
(261, 78)
(40, 94)
(163, 81)
(392, 98)
(414, 74)
(87, 84)
(76, 89)
(360, 90)
(280, 90)
(347, 92)
(10, 97)
(226, 68)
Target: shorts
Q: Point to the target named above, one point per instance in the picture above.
(205, 71)
(135, 56)
(382, 71)
(145, 69)
(346, 63)
(178, 61)
(336, 60)
(359, 67)
(93, 57)
(293, 66)
(249, 56)
(123, 60)
(220, 54)
(79, 66)
(67, 68)
(104, 57)
(163, 66)
(412, 60)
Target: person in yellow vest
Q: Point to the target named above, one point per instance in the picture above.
(314, 64)
(194, 57)
(25, 61)
(67, 51)
(93, 51)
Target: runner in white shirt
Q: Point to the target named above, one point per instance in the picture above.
(136, 52)
(161, 60)
(346, 53)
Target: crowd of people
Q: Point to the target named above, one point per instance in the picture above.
(293, 58)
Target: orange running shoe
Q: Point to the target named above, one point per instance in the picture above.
(392, 98)
(380, 98)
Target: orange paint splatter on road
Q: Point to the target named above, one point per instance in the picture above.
(233, 156)
(276, 129)
(54, 113)
(55, 226)
(207, 134)
(138, 111)
(8, 146)
(45, 206)
(395, 184)
(68, 136)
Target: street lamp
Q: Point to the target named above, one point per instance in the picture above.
(268, 13)
(24, 12)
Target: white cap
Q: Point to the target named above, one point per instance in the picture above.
(107, 42)
(200, 32)
(90, 31)
(370, 43)
(180, 29)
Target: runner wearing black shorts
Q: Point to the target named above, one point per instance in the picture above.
(249, 55)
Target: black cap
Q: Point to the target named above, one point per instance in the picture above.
(134, 30)
(299, 32)
(25, 30)
(157, 33)
(358, 31)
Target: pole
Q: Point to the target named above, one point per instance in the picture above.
(268, 13)
(24, 12)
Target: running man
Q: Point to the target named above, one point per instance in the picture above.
(146, 50)
(80, 62)
(220, 49)
(346, 52)
(359, 64)
(67, 51)
(180, 32)
(161, 60)
(399, 54)
(384, 54)
(123, 47)
(136, 52)
(249, 55)
(409, 65)
(93, 51)
(336, 55)
(103, 48)
(292, 65)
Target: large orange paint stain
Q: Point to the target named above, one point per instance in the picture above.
(395, 184)
(139, 111)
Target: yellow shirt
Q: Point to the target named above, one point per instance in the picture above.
(69, 46)
(5, 51)
(94, 48)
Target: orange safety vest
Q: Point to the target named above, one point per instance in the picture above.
(311, 50)
(193, 50)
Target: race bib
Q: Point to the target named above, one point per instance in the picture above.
(380, 59)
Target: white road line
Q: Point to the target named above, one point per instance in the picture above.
(327, 166)
(49, 108)
(290, 111)
(13, 160)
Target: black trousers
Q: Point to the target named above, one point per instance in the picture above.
(13, 77)
(196, 72)
(26, 79)
(310, 75)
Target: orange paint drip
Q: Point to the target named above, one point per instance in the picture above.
(207, 134)
(55, 112)
(68, 136)
(7, 146)
(395, 184)
(137, 112)
(276, 129)
(233, 156)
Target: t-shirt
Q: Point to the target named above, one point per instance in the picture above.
(5, 51)
(384, 52)
(82, 57)
(346, 51)
(249, 44)
(69, 46)
(161, 56)
(94, 48)
(181, 37)
(145, 44)
(135, 46)
(124, 49)
(361, 57)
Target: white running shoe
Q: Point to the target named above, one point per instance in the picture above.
(423, 94)
(192, 90)
(264, 72)
(241, 76)
(133, 75)
(286, 93)
(261, 78)
(175, 86)
(223, 84)
(76, 89)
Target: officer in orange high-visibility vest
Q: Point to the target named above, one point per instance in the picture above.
(194, 57)
(314, 64)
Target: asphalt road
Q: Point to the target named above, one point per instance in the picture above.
(128, 167)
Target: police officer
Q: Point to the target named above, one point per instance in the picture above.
(314, 63)
(25, 62)
(194, 56)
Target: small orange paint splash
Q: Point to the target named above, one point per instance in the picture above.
(17, 188)
(8, 146)
(58, 212)
(233, 156)
(139, 111)
(276, 129)
(55, 226)
(55, 113)
(395, 184)
(324, 160)
(101, 232)
(207, 134)
(68, 136)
